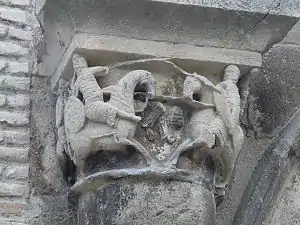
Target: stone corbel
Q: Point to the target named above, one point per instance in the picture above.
(129, 107)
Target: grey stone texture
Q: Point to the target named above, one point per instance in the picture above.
(16, 20)
(274, 98)
(153, 202)
(250, 28)
(286, 209)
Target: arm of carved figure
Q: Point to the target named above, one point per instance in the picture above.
(128, 116)
(206, 82)
(86, 81)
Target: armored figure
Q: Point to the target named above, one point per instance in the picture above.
(92, 124)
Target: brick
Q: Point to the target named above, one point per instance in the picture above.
(16, 172)
(12, 208)
(18, 100)
(2, 100)
(12, 49)
(12, 190)
(14, 15)
(3, 30)
(16, 68)
(14, 118)
(3, 64)
(13, 154)
(16, 2)
(20, 34)
(15, 137)
(15, 83)
(6, 221)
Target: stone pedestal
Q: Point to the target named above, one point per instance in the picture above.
(154, 87)
(147, 203)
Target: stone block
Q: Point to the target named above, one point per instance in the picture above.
(3, 64)
(15, 83)
(16, 68)
(16, 2)
(12, 49)
(14, 154)
(18, 100)
(6, 221)
(16, 172)
(2, 100)
(19, 34)
(274, 98)
(15, 118)
(15, 137)
(3, 30)
(12, 190)
(14, 15)
(12, 208)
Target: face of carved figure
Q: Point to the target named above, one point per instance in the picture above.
(79, 62)
(147, 84)
(232, 73)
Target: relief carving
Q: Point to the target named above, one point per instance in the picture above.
(136, 110)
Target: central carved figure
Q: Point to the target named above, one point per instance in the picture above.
(173, 128)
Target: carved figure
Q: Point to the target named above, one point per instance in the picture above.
(199, 128)
(92, 124)
(228, 113)
(217, 131)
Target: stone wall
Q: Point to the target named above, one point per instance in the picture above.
(274, 97)
(15, 42)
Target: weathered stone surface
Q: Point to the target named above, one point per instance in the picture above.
(240, 27)
(14, 118)
(16, 2)
(18, 100)
(293, 37)
(15, 83)
(274, 98)
(286, 211)
(12, 189)
(2, 100)
(17, 172)
(14, 15)
(6, 221)
(267, 177)
(15, 137)
(20, 34)
(148, 203)
(12, 49)
(3, 64)
(15, 68)
(11, 154)
(3, 30)
(12, 208)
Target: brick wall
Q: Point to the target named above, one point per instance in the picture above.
(15, 42)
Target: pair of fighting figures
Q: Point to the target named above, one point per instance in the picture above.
(91, 123)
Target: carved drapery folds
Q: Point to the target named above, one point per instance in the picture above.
(125, 107)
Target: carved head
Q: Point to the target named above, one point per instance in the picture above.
(191, 87)
(79, 62)
(232, 73)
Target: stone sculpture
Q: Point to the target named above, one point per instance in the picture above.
(133, 111)
(95, 125)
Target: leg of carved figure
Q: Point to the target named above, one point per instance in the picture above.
(81, 169)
